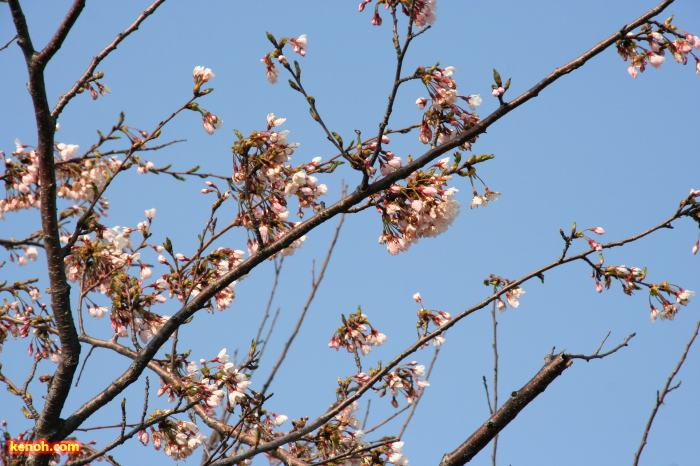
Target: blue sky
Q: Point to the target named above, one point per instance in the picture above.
(596, 147)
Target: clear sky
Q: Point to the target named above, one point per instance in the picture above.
(597, 148)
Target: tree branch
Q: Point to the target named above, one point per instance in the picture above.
(56, 41)
(517, 401)
(65, 98)
(49, 422)
(660, 396)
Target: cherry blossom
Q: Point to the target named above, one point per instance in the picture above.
(299, 44)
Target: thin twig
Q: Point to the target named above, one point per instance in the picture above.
(82, 367)
(65, 98)
(275, 282)
(596, 355)
(309, 300)
(9, 42)
(494, 322)
(666, 390)
(414, 406)
(488, 396)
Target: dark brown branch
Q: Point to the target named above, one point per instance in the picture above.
(517, 401)
(49, 422)
(14, 244)
(61, 33)
(666, 390)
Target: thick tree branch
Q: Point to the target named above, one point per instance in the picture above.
(49, 421)
(517, 401)
(56, 41)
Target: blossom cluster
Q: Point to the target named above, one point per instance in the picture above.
(210, 122)
(444, 119)
(79, 178)
(272, 72)
(405, 380)
(512, 295)
(425, 207)
(357, 333)
(178, 439)
(29, 320)
(215, 382)
(421, 12)
(210, 384)
(659, 37)
(591, 242)
(427, 317)
(102, 264)
(661, 294)
(264, 181)
(185, 282)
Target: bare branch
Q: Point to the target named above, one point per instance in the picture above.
(665, 391)
(8, 43)
(65, 98)
(309, 300)
(517, 401)
(414, 406)
(61, 33)
(596, 355)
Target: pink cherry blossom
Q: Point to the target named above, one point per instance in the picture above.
(299, 45)
(474, 101)
(595, 245)
(273, 121)
(683, 297)
(656, 60)
(693, 41)
(202, 75)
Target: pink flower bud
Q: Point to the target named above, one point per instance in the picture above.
(598, 230)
